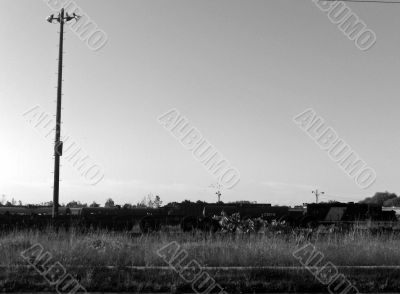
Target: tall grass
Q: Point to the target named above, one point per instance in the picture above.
(103, 248)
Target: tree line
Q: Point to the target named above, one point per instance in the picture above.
(385, 199)
(148, 201)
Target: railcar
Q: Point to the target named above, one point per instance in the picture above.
(199, 215)
(348, 215)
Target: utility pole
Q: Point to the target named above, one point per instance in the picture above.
(317, 193)
(218, 193)
(58, 144)
(218, 187)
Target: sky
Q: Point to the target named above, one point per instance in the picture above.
(239, 71)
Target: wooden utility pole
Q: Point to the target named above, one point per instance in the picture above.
(58, 144)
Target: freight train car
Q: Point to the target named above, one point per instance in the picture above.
(347, 215)
(199, 215)
(16, 217)
(187, 214)
(148, 219)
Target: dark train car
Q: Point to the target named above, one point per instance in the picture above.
(195, 216)
(294, 216)
(246, 210)
(187, 214)
(31, 210)
(345, 214)
(40, 217)
(201, 215)
(114, 218)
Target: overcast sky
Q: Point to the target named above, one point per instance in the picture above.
(239, 71)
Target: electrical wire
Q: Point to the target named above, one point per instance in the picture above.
(350, 198)
(365, 1)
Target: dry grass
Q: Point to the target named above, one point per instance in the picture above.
(103, 248)
(95, 250)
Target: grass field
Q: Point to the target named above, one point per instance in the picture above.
(99, 249)
(266, 249)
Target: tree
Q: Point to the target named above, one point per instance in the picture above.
(379, 198)
(141, 204)
(73, 203)
(76, 204)
(109, 203)
(150, 201)
(147, 201)
(94, 204)
(49, 203)
(157, 202)
(127, 205)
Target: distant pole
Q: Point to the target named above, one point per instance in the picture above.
(219, 195)
(58, 144)
(218, 187)
(317, 193)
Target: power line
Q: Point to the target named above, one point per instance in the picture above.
(366, 1)
(347, 198)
